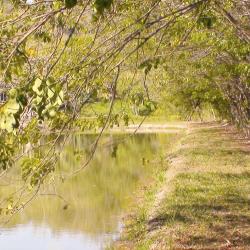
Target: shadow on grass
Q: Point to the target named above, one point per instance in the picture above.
(217, 202)
(210, 151)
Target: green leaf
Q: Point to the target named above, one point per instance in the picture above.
(50, 93)
(36, 86)
(59, 99)
(52, 113)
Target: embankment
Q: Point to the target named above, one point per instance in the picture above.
(202, 201)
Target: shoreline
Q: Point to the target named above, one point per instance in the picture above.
(205, 167)
(145, 128)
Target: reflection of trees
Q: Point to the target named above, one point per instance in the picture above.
(114, 151)
(97, 195)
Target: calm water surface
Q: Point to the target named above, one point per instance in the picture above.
(87, 215)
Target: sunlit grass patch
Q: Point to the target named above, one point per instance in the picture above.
(196, 196)
(208, 208)
(214, 150)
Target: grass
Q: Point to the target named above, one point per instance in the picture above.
(206, 210)
(206, 205)
(157, 117)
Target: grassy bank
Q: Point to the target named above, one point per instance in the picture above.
(202, 200)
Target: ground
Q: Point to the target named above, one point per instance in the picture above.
(202, 199)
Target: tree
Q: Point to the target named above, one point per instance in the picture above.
(59, 57)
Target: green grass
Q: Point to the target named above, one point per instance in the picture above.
(205, 209)
(207, 206)
(120, 107)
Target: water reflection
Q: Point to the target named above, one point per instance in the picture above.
(87, 214)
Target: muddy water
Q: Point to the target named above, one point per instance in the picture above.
(86, 212)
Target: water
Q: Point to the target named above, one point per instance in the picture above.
(86, 212)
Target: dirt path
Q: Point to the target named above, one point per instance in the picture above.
(171, 127)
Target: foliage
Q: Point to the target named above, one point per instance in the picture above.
(60, 59)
